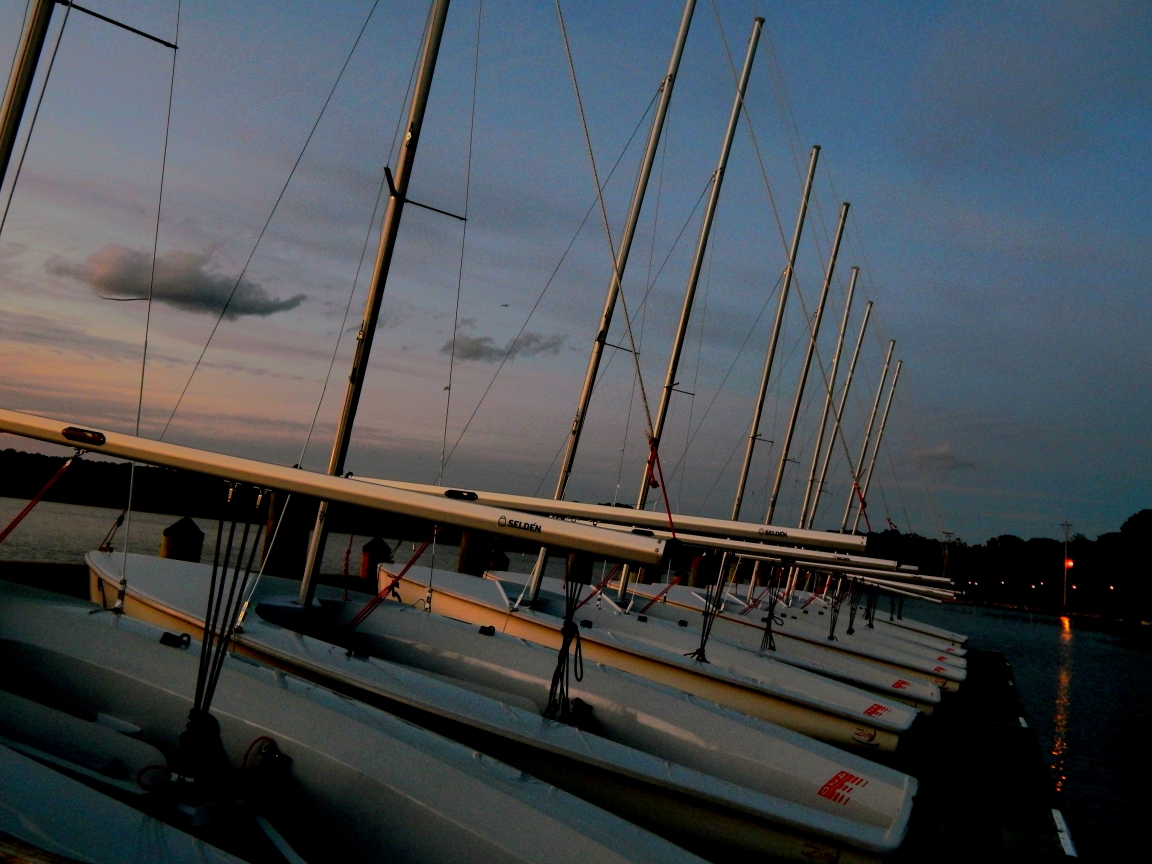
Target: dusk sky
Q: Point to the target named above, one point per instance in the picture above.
(996, 157)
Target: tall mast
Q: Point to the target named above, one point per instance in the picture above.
(858, 472)
(807, 365)
(839, 415)
(629, 234)
(624, 250)
(828, 396)
(698, 260)
(879, 438)
(388, 232)
(20, 81)
(773, 340)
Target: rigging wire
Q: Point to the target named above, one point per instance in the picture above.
(268, 221)
(463, 244)
(731, 366)
(604, 216)
(360, 260)
(151, 285)
(35, 114)
(548, 284)
(16, 50)
(696, 373)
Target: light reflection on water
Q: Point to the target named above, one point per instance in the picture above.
(1092, 726)
(1063, 702)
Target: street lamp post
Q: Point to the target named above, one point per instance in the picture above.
(1067, 560)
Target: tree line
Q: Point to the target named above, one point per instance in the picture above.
(1111, 575)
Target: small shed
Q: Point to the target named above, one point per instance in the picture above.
(375, 553)
(182, 541)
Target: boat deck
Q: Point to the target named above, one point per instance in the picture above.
(986, 793)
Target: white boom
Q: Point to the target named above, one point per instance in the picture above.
(632, 548)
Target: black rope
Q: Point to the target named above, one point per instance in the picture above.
(106, 543)
(870, 608)
(768, 642)
(713, 603)
(854, 604)
(201, 755)
(571, 657)
(834, 604)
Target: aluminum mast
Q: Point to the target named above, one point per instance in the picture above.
(879, 438)
(624, 250)
(698, 261)
(807, 365)
(859, 470)
(20, 81)
(614, 283)
(774, 339)
(828, 396)
(839, 416)
(388, 232)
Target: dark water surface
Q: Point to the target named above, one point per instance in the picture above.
(1086, 692)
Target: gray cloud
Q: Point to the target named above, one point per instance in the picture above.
(485, 350)
(942, 458)
(184, 280)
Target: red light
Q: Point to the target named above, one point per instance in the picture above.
(1068, 563)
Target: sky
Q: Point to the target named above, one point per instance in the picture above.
(995, 157)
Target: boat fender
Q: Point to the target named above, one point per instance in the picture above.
(682, 623)
(487, 630)
(174, 641)
(461, 494)
(586, 623)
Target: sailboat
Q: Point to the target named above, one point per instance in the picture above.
(794, 625)
(347, 780)
(717, 779)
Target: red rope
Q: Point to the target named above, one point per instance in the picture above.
(371, 605)
(654, 460)
(657, 598)
(599, 587)
(863, 506)
(755, 602)
(39, 495)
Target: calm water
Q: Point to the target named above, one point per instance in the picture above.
(1085, 691)
(66, 532)
(1087, 695)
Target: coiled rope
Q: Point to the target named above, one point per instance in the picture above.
(571, 657)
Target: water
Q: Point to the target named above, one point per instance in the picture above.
(64, 533)
(1085, 691)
